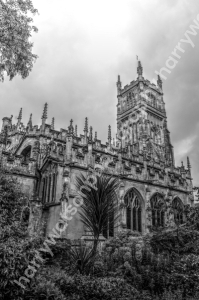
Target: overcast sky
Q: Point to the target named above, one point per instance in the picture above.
(84, 44)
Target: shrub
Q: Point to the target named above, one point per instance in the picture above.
(16, 249)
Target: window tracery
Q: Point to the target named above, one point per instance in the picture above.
(133, 211)
(178, 210)
(158, 210)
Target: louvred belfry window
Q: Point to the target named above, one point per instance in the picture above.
(158, 210)
(178, 210)
(133, 210)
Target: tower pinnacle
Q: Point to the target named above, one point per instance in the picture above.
(188, 164)
(139, 68)
(159, 82)
(119, 85)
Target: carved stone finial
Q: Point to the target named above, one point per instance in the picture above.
(86, 126)
(30, 122)
(53, 123)
(45, 111)
(44, 116)
(71, 128)
(19, 118)
(91, 134)
(109, 134)
(95, 135)
(75, 130)
(20, 115)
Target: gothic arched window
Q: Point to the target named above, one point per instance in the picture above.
(26, 153)
(43, 189)
(54, 187)
(46, 190)
(108, 231)
(49, 189)
(109, 225)
(157, 210)
(178, 210)
(133, 210)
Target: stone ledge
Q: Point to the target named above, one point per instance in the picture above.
(48, 205)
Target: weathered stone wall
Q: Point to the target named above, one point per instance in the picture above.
(27, 183)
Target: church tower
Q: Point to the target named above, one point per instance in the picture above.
(142, 121)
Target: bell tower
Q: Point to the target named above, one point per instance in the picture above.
(142, 121)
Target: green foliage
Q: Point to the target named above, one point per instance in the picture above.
(179, 241)
(15, 31)
(82, 259)
(12, 201)
(159, 265)
(100, 203)
(146, 263)
(61, 257)
(16, 248)
(86, 287)
(192, 217)
(185, 274)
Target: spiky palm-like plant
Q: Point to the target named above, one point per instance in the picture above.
(100, 208)
(82, 259)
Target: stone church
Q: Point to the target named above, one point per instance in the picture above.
(141, 155)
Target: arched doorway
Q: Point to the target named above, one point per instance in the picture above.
(133, 201)
(157, 210)
(178, 210)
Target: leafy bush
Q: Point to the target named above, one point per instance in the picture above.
(180, 241)
(82, 259)
(87, 287)
(16, 248)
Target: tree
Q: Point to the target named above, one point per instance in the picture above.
(99, 209)
(16, 28)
